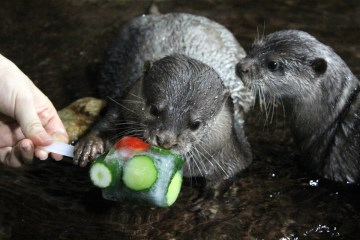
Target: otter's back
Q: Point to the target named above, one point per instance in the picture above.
(151, 37)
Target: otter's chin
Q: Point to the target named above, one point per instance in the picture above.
(258, 87)
(247, 82)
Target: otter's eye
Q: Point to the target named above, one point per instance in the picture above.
(154, 110)
(195, 125)
(273, 66)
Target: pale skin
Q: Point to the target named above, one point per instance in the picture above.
(28, 119)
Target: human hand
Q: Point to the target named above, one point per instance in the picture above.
(28, 119)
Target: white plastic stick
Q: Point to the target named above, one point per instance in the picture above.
(60, 148)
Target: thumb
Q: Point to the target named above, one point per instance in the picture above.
(30, 124)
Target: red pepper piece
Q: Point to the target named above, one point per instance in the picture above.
(132, 143)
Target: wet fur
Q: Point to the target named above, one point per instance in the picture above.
(320, 96)
(177, 87)
(185, 90)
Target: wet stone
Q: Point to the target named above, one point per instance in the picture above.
(80, 115)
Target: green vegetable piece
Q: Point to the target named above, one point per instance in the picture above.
(178, 160)
(139, 173)
(161, 150)
(100, 174)
(174, 188)
(104, 173)
(101, 157)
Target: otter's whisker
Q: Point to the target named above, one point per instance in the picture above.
(263, 33)
(283, 107)
(211, 158)
(121, 105)
(136, 133)
(132, 101)
(263, 103)
(129, 124)
(189, 158)
(140, 98)
(253, 92)
(196, 164)
(270, 102)
(273, 103)
(199, 158)
(268, 110)
(191, 166)
(121, 127)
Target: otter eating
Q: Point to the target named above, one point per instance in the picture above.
(181, 99)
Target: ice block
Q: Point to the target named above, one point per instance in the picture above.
(136, 172)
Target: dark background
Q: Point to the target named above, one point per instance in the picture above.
(59, 44)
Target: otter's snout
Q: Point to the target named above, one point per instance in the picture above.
(166, 140)
(243, 67)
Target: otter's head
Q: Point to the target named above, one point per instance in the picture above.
(182, 96)
(285, 64)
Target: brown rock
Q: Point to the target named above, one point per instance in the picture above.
(80, 115)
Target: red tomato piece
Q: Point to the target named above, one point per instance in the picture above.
(132, 143)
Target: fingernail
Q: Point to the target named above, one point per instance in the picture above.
(57, 157)
(42, 155)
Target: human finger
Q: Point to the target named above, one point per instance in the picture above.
(49, 117)
(10, 132)
(21, 153)
(54, 127)
(30, 123)
(25, 149)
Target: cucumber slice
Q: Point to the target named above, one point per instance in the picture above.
(139, 173)
(100, 174)
(174, 188)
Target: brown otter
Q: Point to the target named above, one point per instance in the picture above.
(179, 101)
(318, 90)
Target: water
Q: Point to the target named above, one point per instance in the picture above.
(59, 45)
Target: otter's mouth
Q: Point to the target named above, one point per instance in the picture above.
(256, 87)
(177, 148)
(246, 81)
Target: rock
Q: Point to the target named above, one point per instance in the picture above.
(80, 115)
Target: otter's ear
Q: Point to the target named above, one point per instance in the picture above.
(147, 67)
(319, 65)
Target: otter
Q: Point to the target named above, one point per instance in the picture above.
(319, 91)
(169, 78)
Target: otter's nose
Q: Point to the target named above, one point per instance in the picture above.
(242, 68)
(166, 140)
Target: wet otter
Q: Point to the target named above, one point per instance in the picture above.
(179, 101)
(318, 90)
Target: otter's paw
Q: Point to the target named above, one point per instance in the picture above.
(87, 149)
